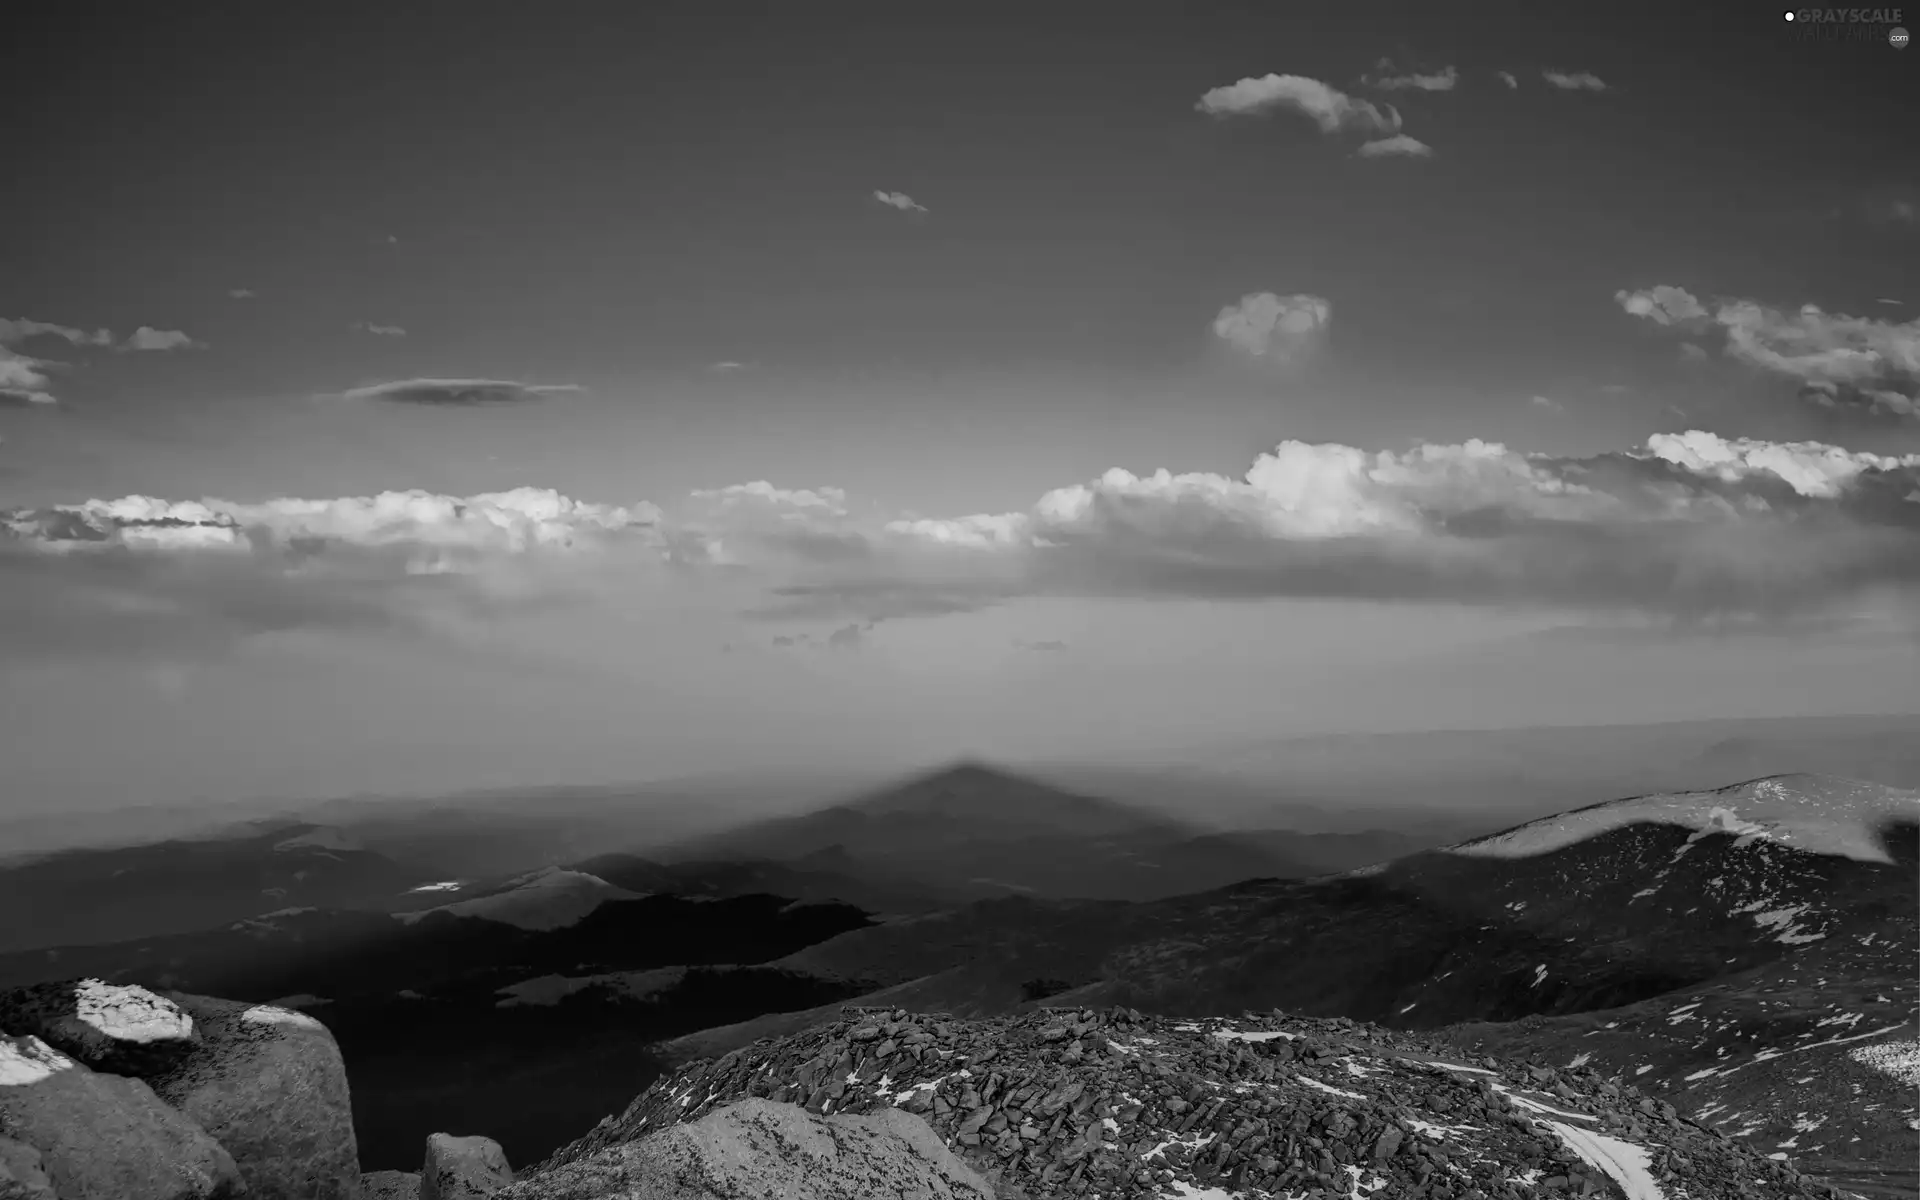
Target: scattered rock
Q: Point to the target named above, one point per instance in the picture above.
(269, 1084)
(756, 1147)
(1284, 1106)
(105, 1137)
(120, 1028)
(390, 1185)
(459, 1168)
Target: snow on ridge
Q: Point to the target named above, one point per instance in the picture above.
(550, 898)
(129, 1013)
(1812, 813)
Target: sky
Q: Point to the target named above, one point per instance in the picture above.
(419, 397)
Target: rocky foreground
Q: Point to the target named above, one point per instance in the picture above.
(110, 1092)
(1113, 1104)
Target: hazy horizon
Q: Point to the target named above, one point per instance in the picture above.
(406, 402)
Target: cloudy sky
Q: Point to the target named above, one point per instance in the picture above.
(422, 396)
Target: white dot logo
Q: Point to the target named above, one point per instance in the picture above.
(1789, 16)
(1897, 38)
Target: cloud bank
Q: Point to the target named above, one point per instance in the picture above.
(1328, 107)
(1276, 328)
(1690, 525)
(455, 393)
(1843, 362)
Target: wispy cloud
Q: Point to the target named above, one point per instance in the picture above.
(1508, 78)
(1329, 108)
(26, 379)
(147, 338)
(1049, 646)
(1839, 361)
(392, 331)
(727, 365)
(1574, 81)
(16, 330)
(899, 200)
(1397, 146)
(1443, 80)
(1546, 402)
(1277, 328)
(455, 393)
(242, 293)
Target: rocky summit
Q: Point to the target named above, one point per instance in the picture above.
(1114, 1104)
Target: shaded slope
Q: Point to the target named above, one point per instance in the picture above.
(85, 896)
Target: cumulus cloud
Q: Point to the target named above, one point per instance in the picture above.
(1838, 361)
(1689, 523)
(899, 200)
(145, 571)
(1273, 327)
(455, 393)
(1443, 80)
(147, 338)
(1547, 402)
(1664, 305)
(1508, 78)
(1575, 81)
(1397, 146)
(379, 330)
(1328, 107)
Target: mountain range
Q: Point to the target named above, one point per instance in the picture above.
(1734, 948)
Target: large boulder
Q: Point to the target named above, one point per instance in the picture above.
(120, 1028)
(269, 1084)
(463, 1168)
(758, 1148)
(387, 1185)
(23, 1176)
(104, 1137)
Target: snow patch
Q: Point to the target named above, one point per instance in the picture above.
(273, 1014)
(1326, 1087)
(127, 1013)
(1625, 1163)
(1255, 1035)
(29, 1060)
(445, 885)
(1899, 1058)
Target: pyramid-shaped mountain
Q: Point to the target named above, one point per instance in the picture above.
(974, 831)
